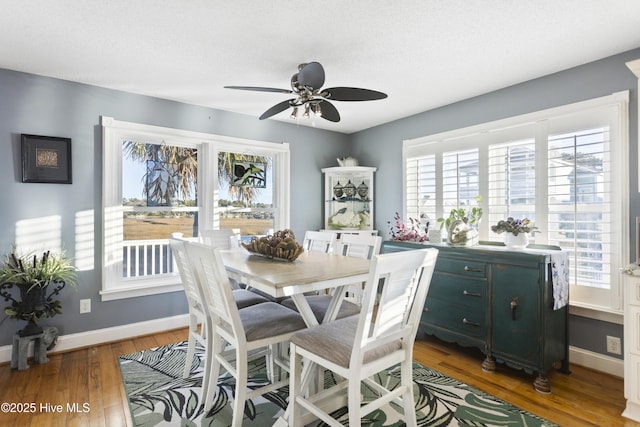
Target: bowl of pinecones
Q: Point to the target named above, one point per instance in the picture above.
(281, 245)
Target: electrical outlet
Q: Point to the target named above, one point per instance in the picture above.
(85, 306)
(613, 345)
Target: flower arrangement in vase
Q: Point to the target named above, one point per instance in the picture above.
(409, 232)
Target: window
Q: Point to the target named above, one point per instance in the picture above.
(158, 181)
(564, 168)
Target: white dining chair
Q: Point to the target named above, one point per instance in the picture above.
(360, 246)
(225, 238)
(319, 241)
(197, 314)
(263, 325)
(229, 238)
(357, 347)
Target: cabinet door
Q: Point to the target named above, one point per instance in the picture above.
(516, 314)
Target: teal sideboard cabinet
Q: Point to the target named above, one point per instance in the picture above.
(500, 301)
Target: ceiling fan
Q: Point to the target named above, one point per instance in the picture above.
(306, 86)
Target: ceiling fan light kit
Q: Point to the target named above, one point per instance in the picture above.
(306, 86)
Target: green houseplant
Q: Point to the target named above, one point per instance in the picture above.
(39, 279)
(514, 226)
(469, 216)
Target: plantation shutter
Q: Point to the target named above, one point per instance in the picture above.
(512, 182)
(421, 187)
(460, 179)
(580, 219)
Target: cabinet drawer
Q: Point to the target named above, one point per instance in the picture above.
(462, 267)
(460, 290)
(453, 317)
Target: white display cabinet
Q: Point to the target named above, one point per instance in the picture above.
(632, 345)
(348, 195)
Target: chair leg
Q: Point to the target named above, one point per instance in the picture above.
(191, 346)
(354, 403)
(406, 374)
(213, 351)
(241, 388)
(295, 381)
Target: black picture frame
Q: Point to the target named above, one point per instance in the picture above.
(46, 159)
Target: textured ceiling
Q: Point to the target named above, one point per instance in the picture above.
(422, 53)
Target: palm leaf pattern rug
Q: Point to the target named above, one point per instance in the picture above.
(159, 396)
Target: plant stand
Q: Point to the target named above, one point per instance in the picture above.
(20, 350)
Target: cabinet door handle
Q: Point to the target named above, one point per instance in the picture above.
(514, 306)
(475, 270)
(469, 322)
(471, 294)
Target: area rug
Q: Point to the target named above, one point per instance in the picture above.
(159, 396)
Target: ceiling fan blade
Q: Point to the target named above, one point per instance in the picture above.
(276, 109)
(352, 94)
(260, 89)
(311, 75)
(329, 112)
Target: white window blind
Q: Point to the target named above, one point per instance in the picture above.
(565, 168)
(512, 182)
(460, 179)
(421, 187)
(580, 209)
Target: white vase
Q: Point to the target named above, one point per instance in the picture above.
(516, 242)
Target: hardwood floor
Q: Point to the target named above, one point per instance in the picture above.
(91, 376)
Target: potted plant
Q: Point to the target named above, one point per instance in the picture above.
(459, 224)
(39, 280)
(516, 231)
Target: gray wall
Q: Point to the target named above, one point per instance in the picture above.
(44, 106)
(382, 146)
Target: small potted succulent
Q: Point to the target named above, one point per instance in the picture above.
(516, 231)
(39, 279)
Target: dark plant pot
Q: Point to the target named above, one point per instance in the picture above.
(32, 328)
(31, 302)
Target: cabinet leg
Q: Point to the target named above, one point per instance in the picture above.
(541, 384)
(489, 364)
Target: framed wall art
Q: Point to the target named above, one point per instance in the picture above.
(46, 159)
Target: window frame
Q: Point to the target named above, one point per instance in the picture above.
(537, 124)
(114, 286)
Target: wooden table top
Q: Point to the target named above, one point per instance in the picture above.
(309, 272)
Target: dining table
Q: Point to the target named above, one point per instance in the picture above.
(309, 273)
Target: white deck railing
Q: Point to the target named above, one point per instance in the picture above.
(146, 258)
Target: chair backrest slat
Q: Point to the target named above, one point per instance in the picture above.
(189, 281)
(319, 241)
(360, 245)
(223, 238)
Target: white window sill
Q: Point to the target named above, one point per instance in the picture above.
(597, 313)
(140, 290)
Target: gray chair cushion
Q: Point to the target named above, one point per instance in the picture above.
(320, 303)
(269, 319)
(334, 341)
(245, 298)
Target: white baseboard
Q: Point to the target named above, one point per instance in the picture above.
(101, 336)
(589, 359)
(597, 361)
